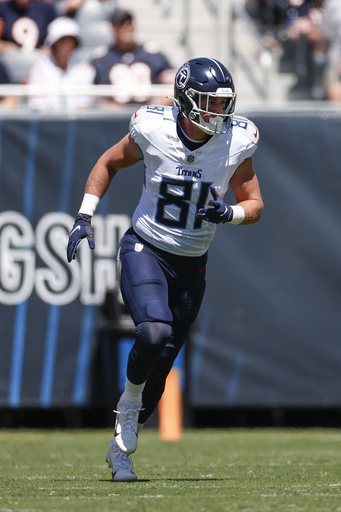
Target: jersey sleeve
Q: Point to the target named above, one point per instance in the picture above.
(246, 136)
(146, 120)
(253, 133)
(134, 126)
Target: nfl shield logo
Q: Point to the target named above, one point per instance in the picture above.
(138, 247)
(190, 159)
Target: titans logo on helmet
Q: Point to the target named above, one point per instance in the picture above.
(183, 76)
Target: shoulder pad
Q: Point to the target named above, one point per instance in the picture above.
(150, 113)
(246, 128)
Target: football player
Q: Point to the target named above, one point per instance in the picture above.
(192, 153)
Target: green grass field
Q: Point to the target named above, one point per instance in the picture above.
(208, 470)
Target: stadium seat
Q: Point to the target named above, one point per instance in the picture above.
(97, 33)
(19, 62)
(92, 11)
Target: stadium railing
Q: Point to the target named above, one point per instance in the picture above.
(23, 92)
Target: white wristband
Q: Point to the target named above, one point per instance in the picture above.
(89, 204)
(238, 214)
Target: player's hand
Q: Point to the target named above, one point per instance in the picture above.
(220, 212)
(81, 229)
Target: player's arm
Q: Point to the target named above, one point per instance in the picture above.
(123, 154)
(244, 184)
(248, 209)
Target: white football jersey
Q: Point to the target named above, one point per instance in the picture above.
(177, 180)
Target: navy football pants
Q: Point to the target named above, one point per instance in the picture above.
(163, 294)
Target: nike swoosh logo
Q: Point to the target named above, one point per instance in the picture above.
(255, 134)
(78, 227)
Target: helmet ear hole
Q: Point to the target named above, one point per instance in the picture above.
(181, 100)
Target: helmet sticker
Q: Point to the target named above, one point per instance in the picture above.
(182, 76)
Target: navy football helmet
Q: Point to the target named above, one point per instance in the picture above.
(196, 82)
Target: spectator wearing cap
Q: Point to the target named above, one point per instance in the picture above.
(61, 70)
(23, 23)
(130, 65)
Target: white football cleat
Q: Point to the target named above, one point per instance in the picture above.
(120, 463)
(126, 426)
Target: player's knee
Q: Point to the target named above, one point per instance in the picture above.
(152, 337)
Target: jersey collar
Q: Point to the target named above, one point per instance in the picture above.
(190, 144)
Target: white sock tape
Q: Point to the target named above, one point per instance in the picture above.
(238, 214)
(89, 204)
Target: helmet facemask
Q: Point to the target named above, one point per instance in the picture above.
(218, 123)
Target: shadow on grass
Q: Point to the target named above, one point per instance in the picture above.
(140, 480)
(146, 480)
(184, 479)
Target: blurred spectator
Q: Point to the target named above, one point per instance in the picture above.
(294, 27)
(61, 69)
(270, 17)
(129, 64)
(78, 9)
(304, 17)
(6, 102)
(304, 33)
(68, 7)
(23, 23)
(332, 33)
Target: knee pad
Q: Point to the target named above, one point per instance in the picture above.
(151, 337)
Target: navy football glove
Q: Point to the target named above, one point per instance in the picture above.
(220, 212)
(81, 229)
